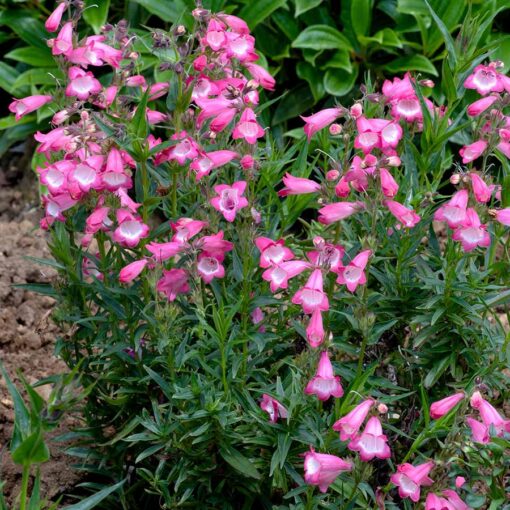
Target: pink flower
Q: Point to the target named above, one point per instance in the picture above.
(490, 416)
(389, 186)
(320, 120)
(473, 151)
(353, 274)
(407, 217)
(339, 211)
(280, 274)
(479, 431)
(22, 107)
(98, 220)
(327, 255)
(186, 228)
(349, 425)
(185, 150)
(265, 80)
(298, 186)
(315, 330)
(272, 252)
(409, 479)
(503, 216)
(471, 233)
(131, 229)
(454, 211)
(435, 502)
(85, 176)
(209, 268)
(312, 296)
(325, 384)
(321, 469)
(371, 442)
(53, 22)
(481, 191)
(273, 408)
(248, 128)
(131, 271)
(342, 189)
(445, 405)
(63, 44)
(214, 245)
(164, 251)
(478, 107)
(82, 84)
(230, 199)
(459, 481)
(173, 283)
(247, 162)
(484, 79)
(211, 160)
(454, 501)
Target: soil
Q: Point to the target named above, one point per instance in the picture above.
(27, 334)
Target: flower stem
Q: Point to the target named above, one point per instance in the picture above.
(24, 486)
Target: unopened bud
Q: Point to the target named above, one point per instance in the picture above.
(335, 129)
(318, 242)
(455, 179)
(60, 117)
(133, 55)
(427, 83)
(257, 218)
(180, 30)
(382, 408)
(212, 135)
(332, 175)
(393, 161)
(84, 116)
(493, 212)
(356, 110)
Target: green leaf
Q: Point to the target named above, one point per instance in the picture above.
(361, 17)
(31, 450)
(411, 63)
(37, 57)
(96, 13)
(238, 461)
(38, 76)
(384, 37)
(139, 123)
(95, 499)
(340, 60)
(322, 37)
(339, 82)
(174, 11)
(35, 497)
(255, 12)
(309, 73)
(8, 76)
(450, 46)
(297, 101)
(28, 28)
(305, 5)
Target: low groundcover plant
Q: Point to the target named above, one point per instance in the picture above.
(319, 325)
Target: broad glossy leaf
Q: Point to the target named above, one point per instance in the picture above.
(305, 5)
(175, 11)
(96, 13)
(340, 60)
(309, 73)
(339, 82)
(95, 499)
(322, 37)
(361, 17)
(37, 57)
(38, 76)
(411, 63)
(256, 12)
(28, 28)
(8, 76)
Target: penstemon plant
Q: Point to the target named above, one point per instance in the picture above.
(247, 344)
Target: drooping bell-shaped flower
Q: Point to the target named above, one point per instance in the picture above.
(131, 271)
(312, 295)
(471, 233)
(320, 120)
(324, 384)
(273, 408)
(315, 329)
(173, 283)
(407, 217)
(353, 274)
(298, 186)
(22, 107)
(339, 211)
(454, 211)
(445, 405)
(371, 442)
(409, 479)
(279, 275)
(321, 469)
(349, 425)
(272, 252)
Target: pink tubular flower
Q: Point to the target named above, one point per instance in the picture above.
(230, 199)
(371, 442)
(248, 128)
(173, 283)
(407, 217)
(82, 84)
(131, 271)
(247, 162)
(209, 268)
(473, 151)
(186, 228)
(63, 44)
(339, 211)
(211, 160)
(320, 120)
(349, 425)
(435, 502)
(298, 186)
(454, 211)
(503, 216)
(481, 191)
(273, 408)
(478, 107)
(325, 384)
(471, 233)
(312, 295)
(479, 431)
(260, 75)
(445, 405)
(484, 79)
(131, 229)
(315, 330)
(353, 274)
(164, 251)
(321, 469)
(183, 151)
(272, 252)
(459, 481)
(279, 274)
(215, 245)
(453, 499)
(490, 416)
(22, 107)
(389, 186)
(409, 479)
(53, 22)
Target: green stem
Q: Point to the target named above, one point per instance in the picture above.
(145, 189)
(174, 195)
(24, 486)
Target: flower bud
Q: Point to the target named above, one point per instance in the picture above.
(335, 129)
(180, 30)
(257, 218)
(382, 408)
(455, 179)
(332, 175)
(356, 110)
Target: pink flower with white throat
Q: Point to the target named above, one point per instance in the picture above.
(371, 442)
(131, 271)
(131, 229)
(389, 186)
(315, 329)
(409, 479)
(248, 128)
(173, 283)
(312, 296)
(321, 469)
(484, 79)
(82, 84)
(320, 120)
(279, 275)
(445, 405)
(230, 199)
(209, 268)
(273, 408)
(339, 211)
(325, 384)
(22, 107)
(272, 252)
(481, 190)
(407, 217)
(349, 425)
(353, 274)
(471, 233)
(473, 151)
(455, 210)
(298, 186)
